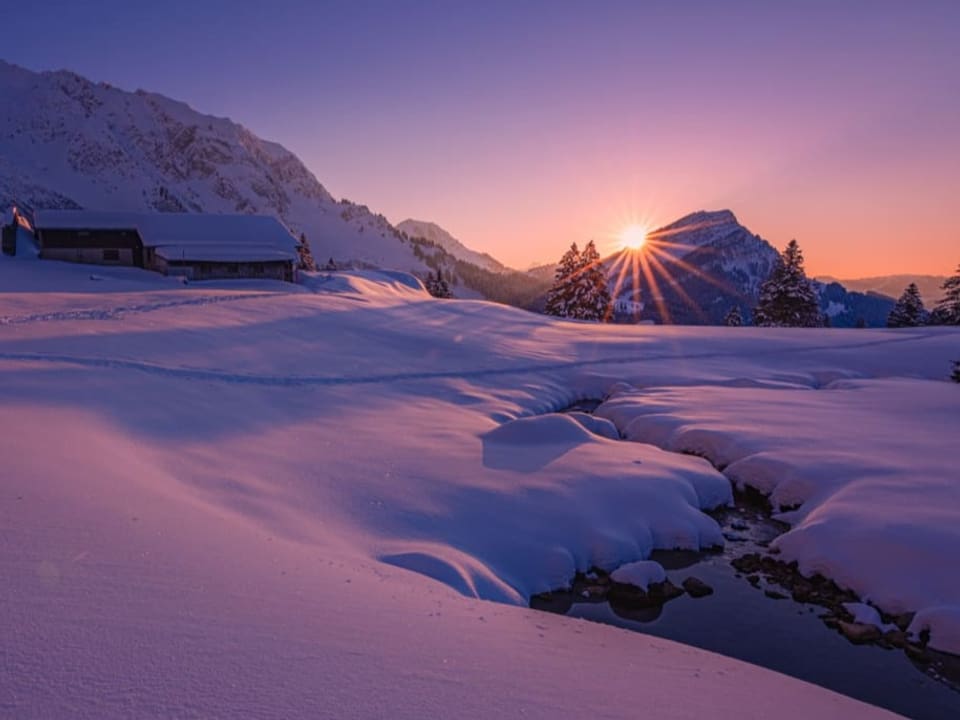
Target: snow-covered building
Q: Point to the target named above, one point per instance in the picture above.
(197, 246)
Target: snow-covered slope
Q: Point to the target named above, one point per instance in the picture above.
(437, 235)
(243, 500)
(67, 142)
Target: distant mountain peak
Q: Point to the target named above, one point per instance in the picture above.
(706, 220)
(434, 233)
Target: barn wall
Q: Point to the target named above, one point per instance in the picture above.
(91, 256)
(96, 247)
(282, 270)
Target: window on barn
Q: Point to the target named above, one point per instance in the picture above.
(111, 255)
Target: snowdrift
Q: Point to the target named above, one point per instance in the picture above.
(258, 502)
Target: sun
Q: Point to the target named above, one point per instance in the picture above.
(633, 237)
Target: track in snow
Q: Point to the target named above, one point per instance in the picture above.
(114, 313)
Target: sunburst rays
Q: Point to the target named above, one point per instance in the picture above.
(656, 261)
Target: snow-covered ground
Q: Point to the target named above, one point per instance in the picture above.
(255, 500)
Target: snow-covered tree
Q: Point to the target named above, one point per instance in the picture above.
(560, 299)
(580, 286)
(733, 318)
(437, 285)
(787, 298)
(331, 266)
(947, 311)
(305, 260)
(909, 310)
(591, 295)
(956, 371)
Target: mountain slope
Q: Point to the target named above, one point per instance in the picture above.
(438, 236)
(705, 263)
(68, 142)
(931, 286)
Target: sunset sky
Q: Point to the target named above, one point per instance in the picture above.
(521, 127)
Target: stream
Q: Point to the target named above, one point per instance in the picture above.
(760, 624)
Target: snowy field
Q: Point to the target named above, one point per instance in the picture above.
(242, 500)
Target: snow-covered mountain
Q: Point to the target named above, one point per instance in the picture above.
(67, 142)
(707, 262)
(930, 286)
(438, 236)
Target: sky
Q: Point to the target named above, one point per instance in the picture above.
(523, 127)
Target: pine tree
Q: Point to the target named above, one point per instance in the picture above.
(560, 299)
(956, 371)
(733, 318)
(909, 310)
(787, 298)
(331, 266)
(591, 295)
(305, 257)
(947, 310)
(438, 287)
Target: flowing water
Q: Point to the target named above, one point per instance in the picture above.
(739, 620)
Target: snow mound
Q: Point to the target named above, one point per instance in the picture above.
(553, 429)
(867, 615)
(598, 426)
(943, 624)
(367, 283)
(639, 574)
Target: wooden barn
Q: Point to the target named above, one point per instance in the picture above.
(196, 246)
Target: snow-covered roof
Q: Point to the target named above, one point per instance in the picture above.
(187, 236)
(223, 253)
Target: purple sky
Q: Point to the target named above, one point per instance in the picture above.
(521, 127)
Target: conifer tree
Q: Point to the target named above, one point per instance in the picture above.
(956, 371)
(305, 259)
(560, 299)
(438, 287)
(591, 295)
(909, 310)
(947, 311)
(787, 298)
(733, 318)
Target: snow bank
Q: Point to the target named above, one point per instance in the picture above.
(867, 464)
(943, 624)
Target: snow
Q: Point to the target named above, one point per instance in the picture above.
(943, 624)
(867, 464)
(263, 500)
(437, 235)
(867, 615)
(641, 573)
